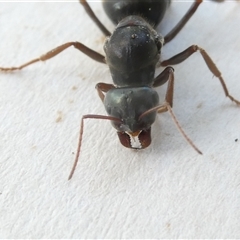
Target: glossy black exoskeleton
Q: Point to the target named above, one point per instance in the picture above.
(151, 10)
(132, 68)
(132, 53)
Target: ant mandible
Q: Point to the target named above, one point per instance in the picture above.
(132, 53)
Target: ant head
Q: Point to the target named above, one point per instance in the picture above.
(132, 52)
(129, 106)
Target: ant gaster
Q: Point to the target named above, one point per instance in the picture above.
(132, 53)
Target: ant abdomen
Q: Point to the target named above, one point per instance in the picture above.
(152, 10)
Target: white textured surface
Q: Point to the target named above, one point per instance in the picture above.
(165, 191)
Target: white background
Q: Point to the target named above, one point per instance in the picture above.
(165, 191)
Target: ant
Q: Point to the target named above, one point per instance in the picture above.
(132, 54)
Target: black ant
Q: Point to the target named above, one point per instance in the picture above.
(132, 53)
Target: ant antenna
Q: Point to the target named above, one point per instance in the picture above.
(91, 116)
(166, 107)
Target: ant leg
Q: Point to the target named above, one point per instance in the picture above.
(103, 88)
(92, 15)
(89, 52)
(211, 65)
(167, 106)
(162, 77)
(182, 22)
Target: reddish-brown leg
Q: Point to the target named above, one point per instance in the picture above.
(103, 88)
(162, 77)
(89, 52)
(182, 22)
(211, 65)
(92, 15)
